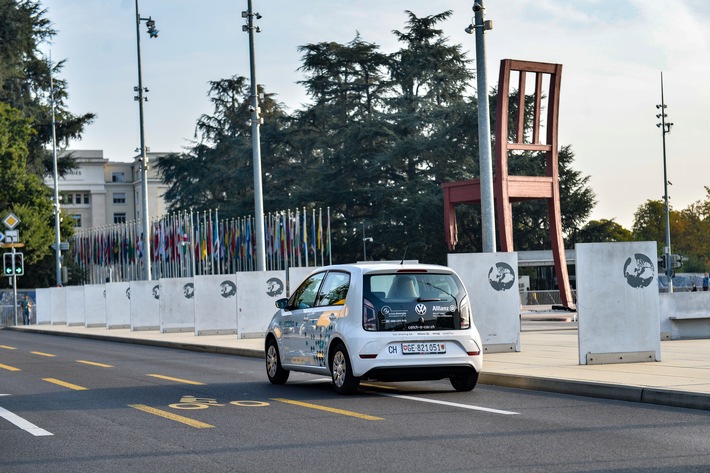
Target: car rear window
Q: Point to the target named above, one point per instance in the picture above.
(412, 301)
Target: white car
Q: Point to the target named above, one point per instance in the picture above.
(379, 321)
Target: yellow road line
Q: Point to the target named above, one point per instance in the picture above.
(42, 354)
(65, 384)
(93, 363)
(179, 380)
(328, 409)
(9, 368)
(169, 415)
(7, 347)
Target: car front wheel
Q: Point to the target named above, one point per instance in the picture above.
(274, 370)
(343, 380)
(464, 382)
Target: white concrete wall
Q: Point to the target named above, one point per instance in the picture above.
(75, 305)
(177, 305)
(43, 306)
(257, 293)
(688, 305)
(95, 305)
(145, 305)
(215, 304)
(617, 302)
(59, 305)
(118, 305)
(491, 281)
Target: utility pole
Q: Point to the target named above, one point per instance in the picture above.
(480, 25)
(145, 241)
(665, 129)
(255, 138)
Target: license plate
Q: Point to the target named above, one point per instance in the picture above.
(423, 348)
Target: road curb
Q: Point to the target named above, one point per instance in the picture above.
(663, 397)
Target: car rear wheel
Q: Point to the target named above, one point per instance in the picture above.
(464, 382)
(343, 380)
(274, 370)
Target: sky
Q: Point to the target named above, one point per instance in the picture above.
(612, 51)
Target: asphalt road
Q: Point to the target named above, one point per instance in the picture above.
(76, 405)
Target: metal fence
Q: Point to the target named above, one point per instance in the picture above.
(7, 307)
(543, 297)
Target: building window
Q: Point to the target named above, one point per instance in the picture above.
(77, 219)
(70, 199)
(119, 197)
(119, 218)
(86, 199)
(118, 177)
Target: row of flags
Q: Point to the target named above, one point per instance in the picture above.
(188, 244)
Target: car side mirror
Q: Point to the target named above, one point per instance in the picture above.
(281, 303)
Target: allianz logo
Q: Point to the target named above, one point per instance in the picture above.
(450, 308)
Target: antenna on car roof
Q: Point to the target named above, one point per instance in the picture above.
(404, 255)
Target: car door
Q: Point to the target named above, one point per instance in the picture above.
(296, 316)
(321, 320)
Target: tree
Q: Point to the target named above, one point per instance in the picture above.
(596, 231)
(24, 194)
(25, 82)
(217, 172)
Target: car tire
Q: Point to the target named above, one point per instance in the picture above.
(341, 370)
(274, 370)
(464, 382)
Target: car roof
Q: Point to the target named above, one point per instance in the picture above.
(384, 267)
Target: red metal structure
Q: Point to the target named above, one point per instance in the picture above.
(508, 189)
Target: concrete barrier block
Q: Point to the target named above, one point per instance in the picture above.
(491, 280)
(59, 305)
(177, 305)
(95, 305)
(216, 304)
(617, 301)
(75, 301)
(118, 305)
(257, 293)
(43, 306)
(145, 305)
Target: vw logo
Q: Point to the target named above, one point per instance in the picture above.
(420, 309)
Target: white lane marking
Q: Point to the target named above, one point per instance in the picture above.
(23, 424)
(451, 404)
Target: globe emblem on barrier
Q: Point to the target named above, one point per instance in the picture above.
(639, 271)
(501, 276)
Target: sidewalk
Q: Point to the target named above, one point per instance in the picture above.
(548, 361)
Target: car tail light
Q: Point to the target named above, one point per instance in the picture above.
(465, 314)
(369, 316)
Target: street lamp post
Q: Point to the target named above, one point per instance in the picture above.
(153, 33)
(665, 129)
(57, 240)
(255, 138)
(484, 128)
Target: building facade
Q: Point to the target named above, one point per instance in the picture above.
(102, 192)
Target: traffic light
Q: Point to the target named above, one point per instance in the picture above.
(7, 264)
(19, 266)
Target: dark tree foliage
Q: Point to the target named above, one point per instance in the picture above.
(217, 172)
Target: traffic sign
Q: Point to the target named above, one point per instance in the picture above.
(11, 221)
(12, 245)
(12, 236)
(63, 246)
